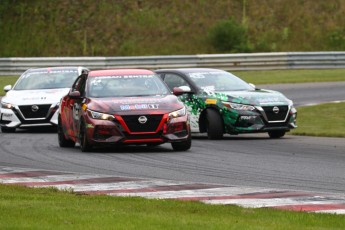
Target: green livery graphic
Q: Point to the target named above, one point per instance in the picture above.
(221, 103)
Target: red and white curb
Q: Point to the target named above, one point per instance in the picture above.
(168, 189)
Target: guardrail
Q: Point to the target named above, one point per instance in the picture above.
(248, 61)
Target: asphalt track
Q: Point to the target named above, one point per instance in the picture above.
(293, 162)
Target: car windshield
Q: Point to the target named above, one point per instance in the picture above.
(46, 80)
(218, 81)
(126, 86)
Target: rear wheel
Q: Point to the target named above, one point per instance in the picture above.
(83, 141)
(214, 125)
(276, 134)
(7, 130)
(63, 142)
(182, 145)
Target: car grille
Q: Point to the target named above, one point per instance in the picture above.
(279, 116)
(28, 113)
(142, 136)
(132, 122)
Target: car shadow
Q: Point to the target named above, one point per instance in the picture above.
(36, 130)
(240, 137)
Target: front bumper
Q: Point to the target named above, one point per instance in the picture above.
(18, 117)
(262, 119)
(123, 130)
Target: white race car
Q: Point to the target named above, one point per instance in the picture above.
(35, 97)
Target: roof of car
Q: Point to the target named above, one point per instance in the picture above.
(109, 72)
(189, 70)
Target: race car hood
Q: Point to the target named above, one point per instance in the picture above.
(135, 105)
(39, 97)
(256, 98)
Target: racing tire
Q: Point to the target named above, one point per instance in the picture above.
(182, 145)
(214, 125)
(63, 142)
(8, 130)
(83, 141)
(276, 134)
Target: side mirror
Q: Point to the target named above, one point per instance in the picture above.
(252, 85)
(7, 88)
(74, 94)
(177, 91)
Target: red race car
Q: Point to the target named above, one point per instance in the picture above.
(122, 106)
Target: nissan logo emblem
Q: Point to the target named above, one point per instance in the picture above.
(275, 109)
(142, 119)
(35, 108)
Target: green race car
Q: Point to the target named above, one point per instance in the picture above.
(219, 102)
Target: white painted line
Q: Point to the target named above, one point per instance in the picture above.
(50, 178)
(260, 203)
(224, 191)
(116, 186)
(336, 211)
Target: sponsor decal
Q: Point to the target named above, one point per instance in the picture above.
(247, 117)
(49, 71)
(8, 115)
(211, 101)
(122, 77)
(84, 107)
(139, 106)
(268, 100)
(89, 126)
(136, 101)
(34, 98)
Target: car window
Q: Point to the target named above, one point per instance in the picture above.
(79, 85)
(46, 79)
(174, 80)
(126, 86)
(219, 81)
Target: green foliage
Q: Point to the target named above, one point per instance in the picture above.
(229, 36)
(336, 39)
(39, 28)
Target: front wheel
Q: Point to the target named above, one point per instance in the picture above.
(276, 134)
(63, 142)
(7, 130)
(182, 145)
(214, 125)
(83, 141)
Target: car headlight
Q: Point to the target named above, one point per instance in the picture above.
(177, 113)
(239, 106)
(6, 105)
(100, 116)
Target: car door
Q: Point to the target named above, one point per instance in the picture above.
(72, 106)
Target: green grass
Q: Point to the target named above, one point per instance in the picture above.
(6, 80)
(28, 208)
(291, 76)
(326, 120)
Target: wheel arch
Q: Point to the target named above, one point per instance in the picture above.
(203, 118)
